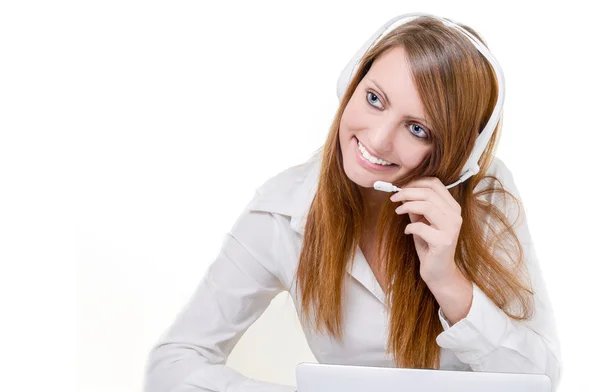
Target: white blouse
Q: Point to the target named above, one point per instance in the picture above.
(258, 260)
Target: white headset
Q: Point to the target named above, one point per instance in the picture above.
(471, 167)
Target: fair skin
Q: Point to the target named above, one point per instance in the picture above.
(386, 115)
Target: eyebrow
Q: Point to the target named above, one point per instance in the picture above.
(386, 98)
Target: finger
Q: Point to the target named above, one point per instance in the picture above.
(428, 233)
(433, 213)
(438, 187)
(426, 194)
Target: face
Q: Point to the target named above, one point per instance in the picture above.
(384, 122)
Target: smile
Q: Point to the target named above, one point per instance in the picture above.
(370, 157)
(371, 162)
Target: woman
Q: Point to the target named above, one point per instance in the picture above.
(430, 277)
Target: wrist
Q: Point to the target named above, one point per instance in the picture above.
(448, 282)
(454, 295)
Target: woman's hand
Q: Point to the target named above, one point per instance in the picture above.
(436, 222)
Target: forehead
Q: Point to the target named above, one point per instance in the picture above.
(391, 72)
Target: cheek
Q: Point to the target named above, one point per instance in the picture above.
(413, 156)
(355, 117)
(410, 151)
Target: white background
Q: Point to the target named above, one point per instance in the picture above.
(133, 133)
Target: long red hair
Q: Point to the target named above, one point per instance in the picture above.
(458, 89)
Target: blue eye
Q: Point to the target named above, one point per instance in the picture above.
(423, 132)
(369, 95)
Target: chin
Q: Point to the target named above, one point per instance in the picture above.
(361, 177)
(362, 181)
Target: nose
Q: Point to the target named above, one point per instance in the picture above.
(381, 138)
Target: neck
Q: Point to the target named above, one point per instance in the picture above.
(373, 202)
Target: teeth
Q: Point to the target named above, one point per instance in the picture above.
(371, 158)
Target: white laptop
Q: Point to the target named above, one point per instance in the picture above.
(314, 377)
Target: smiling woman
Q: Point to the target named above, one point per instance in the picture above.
(448, 280)
(420, 69)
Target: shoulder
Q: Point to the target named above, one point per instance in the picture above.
(263, 229)
(289, 191)
(500, 171)
(509, 202)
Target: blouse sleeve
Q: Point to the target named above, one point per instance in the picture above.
(238, 286)
(489, 340)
